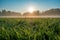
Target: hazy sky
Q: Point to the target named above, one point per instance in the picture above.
(23, 5)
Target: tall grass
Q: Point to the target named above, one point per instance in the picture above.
(30, 29)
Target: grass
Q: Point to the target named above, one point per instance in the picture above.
(29, 29)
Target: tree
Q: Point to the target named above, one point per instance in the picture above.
(4, 12)
(0, 12)
(36, 12)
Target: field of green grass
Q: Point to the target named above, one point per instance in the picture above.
(30, 29)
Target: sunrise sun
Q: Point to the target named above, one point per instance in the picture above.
(30, 9)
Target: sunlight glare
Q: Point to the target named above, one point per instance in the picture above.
(31, 9)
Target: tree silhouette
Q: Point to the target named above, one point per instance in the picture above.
(37, 12)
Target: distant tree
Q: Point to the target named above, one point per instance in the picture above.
(25, 14)
(37, 12)
(52, 12)
(4, 12)
(0, 11)
(9, 11)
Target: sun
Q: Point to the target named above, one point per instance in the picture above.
(30, 9)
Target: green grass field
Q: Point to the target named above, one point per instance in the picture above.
(30, 29)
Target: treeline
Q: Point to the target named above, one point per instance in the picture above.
(9, 13)
(52, 12)
(35, 13)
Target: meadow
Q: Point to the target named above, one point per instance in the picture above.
(29, 28)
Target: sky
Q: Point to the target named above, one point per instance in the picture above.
(23, 5)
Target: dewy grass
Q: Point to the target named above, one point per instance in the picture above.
(30, 29)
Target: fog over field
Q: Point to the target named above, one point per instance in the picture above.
(51, 13)
(29, 16)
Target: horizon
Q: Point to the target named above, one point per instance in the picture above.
(23, 5)
(30, 12)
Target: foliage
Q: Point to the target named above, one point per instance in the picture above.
(30, 29)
